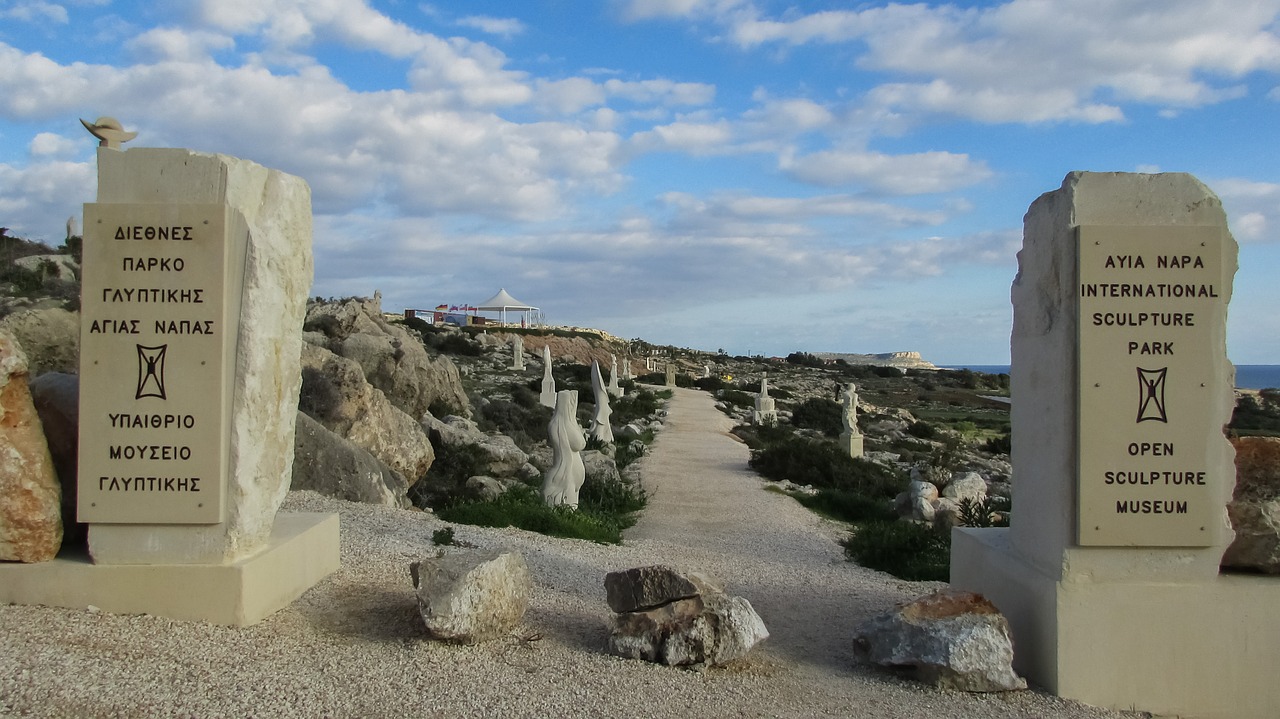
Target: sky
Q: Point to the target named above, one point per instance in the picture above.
(754, 176)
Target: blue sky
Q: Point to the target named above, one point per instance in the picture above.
(749, 175)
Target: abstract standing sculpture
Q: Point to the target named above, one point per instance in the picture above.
(562, 481)
(766, 413)
(851, 438)
(613, 387)
(517, 353)
(548, 396)
(600, 428)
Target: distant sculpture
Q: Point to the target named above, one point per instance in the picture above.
(517, 353)
(109, 132)
(73, 227)
(766, 413)
(564, 478)
(600, 428)
(706, 371)
(548, 396)
(626, 367)
(613, 387)
(671, 375)
(851, 438)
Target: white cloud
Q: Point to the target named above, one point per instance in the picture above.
(695, 138)
(36, 11)
(48, 144)
(574, 94)
(36, 200)
(647, 9)
(911, 174)
(1253, 208)
(160, 44)
(294, 23)
(502, 26)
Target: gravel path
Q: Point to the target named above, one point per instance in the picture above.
(354, 646)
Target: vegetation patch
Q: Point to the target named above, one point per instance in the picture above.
(904, 549)
(521, 507)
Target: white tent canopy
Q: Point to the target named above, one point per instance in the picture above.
(502, 302)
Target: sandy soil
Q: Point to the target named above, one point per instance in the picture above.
(354, 646)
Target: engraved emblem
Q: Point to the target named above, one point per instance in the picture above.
(151, 371)
(1151, 394)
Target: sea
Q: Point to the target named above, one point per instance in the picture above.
(1248, 376)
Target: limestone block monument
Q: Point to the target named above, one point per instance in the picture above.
(671, 374)
(765, 413)
(548, 396)
(1121, 388)
(563, 480)
(196, 272)
(850, 438)
(613, 388)
(517, 353)
(600, 428)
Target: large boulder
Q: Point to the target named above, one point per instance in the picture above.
(472, 597)
(335, 394)
(1255, 506)
(502, 457)
(950, 639)
(30, 497)
(601, 468)
(677, 619)
(49, 337)
(336, 467)
(393, 359)
(56, 397)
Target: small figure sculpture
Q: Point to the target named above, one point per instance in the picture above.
(562, 481)
(517, 353)
(613, 387)
(548, 396)
(109, 132)
(600, 428)
(766, 413)
(850, 415)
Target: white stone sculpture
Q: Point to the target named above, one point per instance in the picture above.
(671, 375)
(613, 387)
(517, 353)
(706, 371)
(109, 132)
(851, 438)
(564, 478)
(548, 396)
(766, 413)
(600, 428)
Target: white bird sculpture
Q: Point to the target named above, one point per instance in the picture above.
(109, 132)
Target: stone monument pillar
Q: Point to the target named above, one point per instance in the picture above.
(548, 396)
(613, 387)
(765, 412)
(196, 273)
(600, 427)
(517, 353)
(671, 374)
(563, 480)
(1121, 388)
(851, 438)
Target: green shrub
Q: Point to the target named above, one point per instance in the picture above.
(805, 359)
(824, 465)
(903, 549)
(634, 405)
(521, 507)
(737, 398)
(618, 499)
(922, 429)
(525, 423)
(846, 506)
(319, 397)
(446, 480)
(442, 537)
(999, 445)
(820, 414)
(989, 511)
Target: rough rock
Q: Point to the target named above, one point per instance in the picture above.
(472, 597)
(333, 466)
(600, 467)
(62, 268)
(1255, 506)
(56, 397)
(336, 395)
(677, 619)
(503, 457)
(950, 639)
(393, 358)
(486, 487)
(30, 498)
(966, 485)
(49, 337)
(946, 513)
(926, 490)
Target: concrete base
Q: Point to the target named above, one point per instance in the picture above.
(852, 443)
(1190, 648)
(303, 550)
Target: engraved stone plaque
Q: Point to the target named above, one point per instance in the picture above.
(1152, 310)
(159, 311)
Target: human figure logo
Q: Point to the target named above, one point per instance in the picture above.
(151, 371)
(1151, 394)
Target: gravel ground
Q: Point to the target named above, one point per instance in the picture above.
(354, 645)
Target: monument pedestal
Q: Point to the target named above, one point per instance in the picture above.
(852, 443)
(302, 550)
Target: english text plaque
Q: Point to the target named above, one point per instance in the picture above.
(1152, 307)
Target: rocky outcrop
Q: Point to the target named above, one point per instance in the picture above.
(333, 466)
(56, 267)
(392, 358)
(56, 397)
(30, 497)
(473, 597)
(950, 639)
(1255, 506)
(50, 338)
(905, 360)
(502, 458)
(336, 395)
(676, 619)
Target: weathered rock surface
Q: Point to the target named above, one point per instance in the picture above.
(337, 396)
(473, 597)
(393, 358)
(56, 397)
(503, 457)
(950, 639)
(49, 337)
(1255, 506)
(62, 268)
(678, 619)
(966, 485)
(30, 497)
(336, 467)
